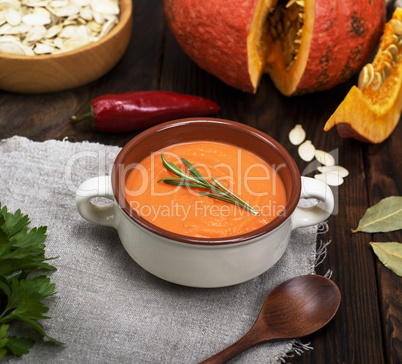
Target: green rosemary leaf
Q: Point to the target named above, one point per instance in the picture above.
(172, 179)
(196, 180)
(229, 199)
(220, 185)
(174, 169)
(194, 172)
(181, 182)
(216, 196)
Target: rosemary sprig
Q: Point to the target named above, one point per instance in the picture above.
(196, 180)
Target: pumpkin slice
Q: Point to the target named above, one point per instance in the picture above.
(371, 111)
(304, 45)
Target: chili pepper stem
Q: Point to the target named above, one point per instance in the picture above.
(77, 119)
(88, 116)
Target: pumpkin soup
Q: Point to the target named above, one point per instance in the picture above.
(182, 210)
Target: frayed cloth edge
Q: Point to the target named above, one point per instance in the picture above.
(297, 348)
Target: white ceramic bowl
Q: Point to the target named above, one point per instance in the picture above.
(201, 262)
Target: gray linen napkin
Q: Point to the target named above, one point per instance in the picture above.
(108, 309)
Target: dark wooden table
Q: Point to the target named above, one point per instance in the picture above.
(368, 326)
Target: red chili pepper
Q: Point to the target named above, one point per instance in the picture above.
(136, 110)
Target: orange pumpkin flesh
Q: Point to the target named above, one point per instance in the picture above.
(370, 114)
(232, 40)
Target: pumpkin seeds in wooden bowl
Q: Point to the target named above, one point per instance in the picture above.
(53, 45)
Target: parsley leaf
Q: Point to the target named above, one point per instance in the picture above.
(17, 346)
(21, 253)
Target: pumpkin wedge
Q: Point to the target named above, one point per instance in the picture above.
(304, 45)
(371, 111)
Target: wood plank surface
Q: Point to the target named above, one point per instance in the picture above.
(368, 326)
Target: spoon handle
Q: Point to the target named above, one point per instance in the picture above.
(252, 338)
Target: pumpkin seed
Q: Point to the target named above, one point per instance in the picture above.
(362, 82)
(59, 3)
(306, 151)
(35, 19)
(393, 51)
(105, 7)
(98, 17)
(86, 14)
(286, 24)
(377, 81)
(366, 76)
(331, 179)
(297, 135)
(337, 169)
(15, 4)
(96, 27)
(81, 2)
(399, 43)
(107, 27)
(18, 30)
(36, 33)
(53, 30)
(5, 28)
(10, 44)
(386, 56)
(40, 26)
(41, 48)
(324, 158)
(370, 72)
(13, 16)
(397, 25)
(387, 70)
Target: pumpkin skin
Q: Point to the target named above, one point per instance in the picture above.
(214, 36)
(371, 115)
(229, 39)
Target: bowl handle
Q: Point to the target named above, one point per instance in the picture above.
(102, 214)
(307, 216)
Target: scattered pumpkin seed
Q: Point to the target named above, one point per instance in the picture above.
(331, 179)
(306, 151)
(331, 173)
(297, 135)
(337, 169)
(324, 158)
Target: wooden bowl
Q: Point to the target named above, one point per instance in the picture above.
(56, 72)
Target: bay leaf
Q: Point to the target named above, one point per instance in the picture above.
(390, 254)
(384, 216)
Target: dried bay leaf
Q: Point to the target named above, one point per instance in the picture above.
(390, 254)
(383, 217)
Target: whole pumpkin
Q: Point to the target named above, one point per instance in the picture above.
(304, 45)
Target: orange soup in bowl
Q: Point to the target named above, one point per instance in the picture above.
(182, 210)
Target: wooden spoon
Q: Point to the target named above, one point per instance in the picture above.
(296, 308)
